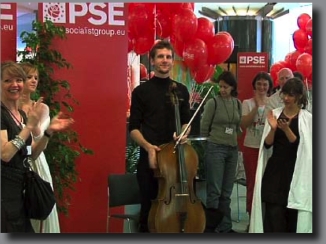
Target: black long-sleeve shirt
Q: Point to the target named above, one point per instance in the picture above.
(152, 111)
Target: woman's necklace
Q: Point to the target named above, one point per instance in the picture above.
(229, 130)
(18, 122)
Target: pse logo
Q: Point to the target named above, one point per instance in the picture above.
(96, 13)
(252, 60)
(55, 12)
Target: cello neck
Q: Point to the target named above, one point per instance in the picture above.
(180, 149)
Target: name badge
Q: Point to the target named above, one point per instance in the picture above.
(29, 150)
(228, 131)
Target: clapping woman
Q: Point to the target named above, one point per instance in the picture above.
(17, 144)
(253, 120)
(40, 165)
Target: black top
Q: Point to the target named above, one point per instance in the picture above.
(152, 111)
(8, 123)
(280, 166)
(13, 215)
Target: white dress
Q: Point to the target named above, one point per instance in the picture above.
(40, 165)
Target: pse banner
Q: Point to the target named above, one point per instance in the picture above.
(249, 64)
(96, 47)
(8, 37)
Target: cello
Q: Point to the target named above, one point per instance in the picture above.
(176, 208)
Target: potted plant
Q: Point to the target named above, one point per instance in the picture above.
(64, 147)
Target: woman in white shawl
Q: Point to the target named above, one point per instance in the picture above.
(282, 200)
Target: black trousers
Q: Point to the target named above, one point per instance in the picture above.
(148, 190)
(279, 218)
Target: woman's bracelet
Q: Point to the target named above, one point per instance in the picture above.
(18, 142)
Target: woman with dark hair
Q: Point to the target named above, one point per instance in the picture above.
(220, 123)
(297, 74)
(253, 120)
(284, 180)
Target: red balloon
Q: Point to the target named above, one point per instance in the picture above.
(300, 39)
(176, 7)
(304, 64)
(143, 44)
(291, 59)
(205, 29)
(184, 25)
(225, 33)
(140, 19)
(177, 45)
(143, 72)
(302, 21)
(130, 44)
(308, 47)
(309, 28)
(229, 36)
(219, 48)
(309, 80)
(203, 73)
(163, 25)
(148, 6)
(195, 53)
(275, 68)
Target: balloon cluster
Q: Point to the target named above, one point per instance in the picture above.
(193, 39)
(300, 59)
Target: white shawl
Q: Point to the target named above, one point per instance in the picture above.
(300, 195)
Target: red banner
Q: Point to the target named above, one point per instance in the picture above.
(97, 47)
(249, 64)
(8, 37)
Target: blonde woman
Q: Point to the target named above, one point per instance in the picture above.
(40, 165)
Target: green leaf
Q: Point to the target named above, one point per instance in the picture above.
(64, 147)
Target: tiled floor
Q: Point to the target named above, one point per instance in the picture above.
(240, 219)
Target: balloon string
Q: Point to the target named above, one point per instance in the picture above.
(155, 20)
(307, 87)
(193, 89)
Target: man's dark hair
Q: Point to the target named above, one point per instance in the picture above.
(161, 45)
(297, 74)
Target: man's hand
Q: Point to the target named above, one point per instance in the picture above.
(152, 158)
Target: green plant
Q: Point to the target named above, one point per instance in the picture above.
(132, 156)
(64, 147)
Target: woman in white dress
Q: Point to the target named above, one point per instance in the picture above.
(40, 165)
